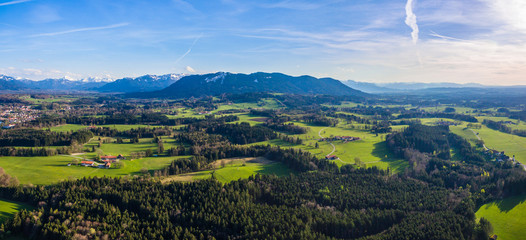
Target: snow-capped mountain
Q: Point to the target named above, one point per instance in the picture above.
(141, 84)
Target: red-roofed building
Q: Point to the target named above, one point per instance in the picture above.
(331, 157)
(87, 163)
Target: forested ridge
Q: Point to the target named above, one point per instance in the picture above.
(353, 204)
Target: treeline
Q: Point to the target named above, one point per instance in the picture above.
(319, 120)
(501, 126)
(30, 152)
(461, 117)
(289, 128)
(27, 137)
(307, 206)
(140, 132)
(296, 159)
(378, 112)
(242, 133)
(122, 118)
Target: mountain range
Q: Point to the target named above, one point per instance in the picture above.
(141, 84)
(181, 86)
(407, 86)
(124, 85)
(221, 82)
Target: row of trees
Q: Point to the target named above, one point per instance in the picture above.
(502, 127)
(28, 137)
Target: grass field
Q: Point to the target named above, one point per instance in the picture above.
(235, 170)
(67, 128)
(49, 170)
(371, 149)
(510, 144)
(507, 216)
(9, 208)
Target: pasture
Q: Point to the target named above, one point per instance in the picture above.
(9, 208)
(508, 217)
(234, 169)
(510, 144)
(371, 149)
(49, 170)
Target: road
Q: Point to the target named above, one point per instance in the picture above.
(476, 135)
(333, 147)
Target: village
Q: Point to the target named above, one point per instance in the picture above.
(10, 116)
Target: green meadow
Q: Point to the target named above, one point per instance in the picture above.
(510, 144)
(507, 216)
(49, 170)
(67, 128)
(9, 208)
(370, 149)
(234, 170)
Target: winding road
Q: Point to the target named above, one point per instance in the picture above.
(333, 147)
(476, 135)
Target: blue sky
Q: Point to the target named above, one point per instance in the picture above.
(460, 41)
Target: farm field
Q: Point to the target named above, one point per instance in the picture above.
(235, 170)
(507, 216)
(49, 170)
(67, 128)
(510, 144)
(371, 149)
(8, 208)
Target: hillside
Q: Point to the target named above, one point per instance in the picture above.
(141, 84)
(219, 83)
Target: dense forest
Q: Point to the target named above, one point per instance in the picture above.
(306, 206)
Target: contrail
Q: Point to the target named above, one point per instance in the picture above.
(410, 20)
(189, 49)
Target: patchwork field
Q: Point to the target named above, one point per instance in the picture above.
(8, 208)
(233, 170)
(507, 216)
(371, 149)
(48, 170)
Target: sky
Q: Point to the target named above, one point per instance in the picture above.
(475, 41)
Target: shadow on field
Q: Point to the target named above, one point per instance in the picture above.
(381, 151)
(509, 203)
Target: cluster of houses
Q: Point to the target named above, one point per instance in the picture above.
(12, 115)
(106, 161)
(345, 139)
(499, 156)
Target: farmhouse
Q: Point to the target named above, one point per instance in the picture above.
(331, 157)
(87, 163)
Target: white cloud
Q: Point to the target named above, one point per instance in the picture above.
(410, 20)
(14, 2)
(190, 69)
(38, 74)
